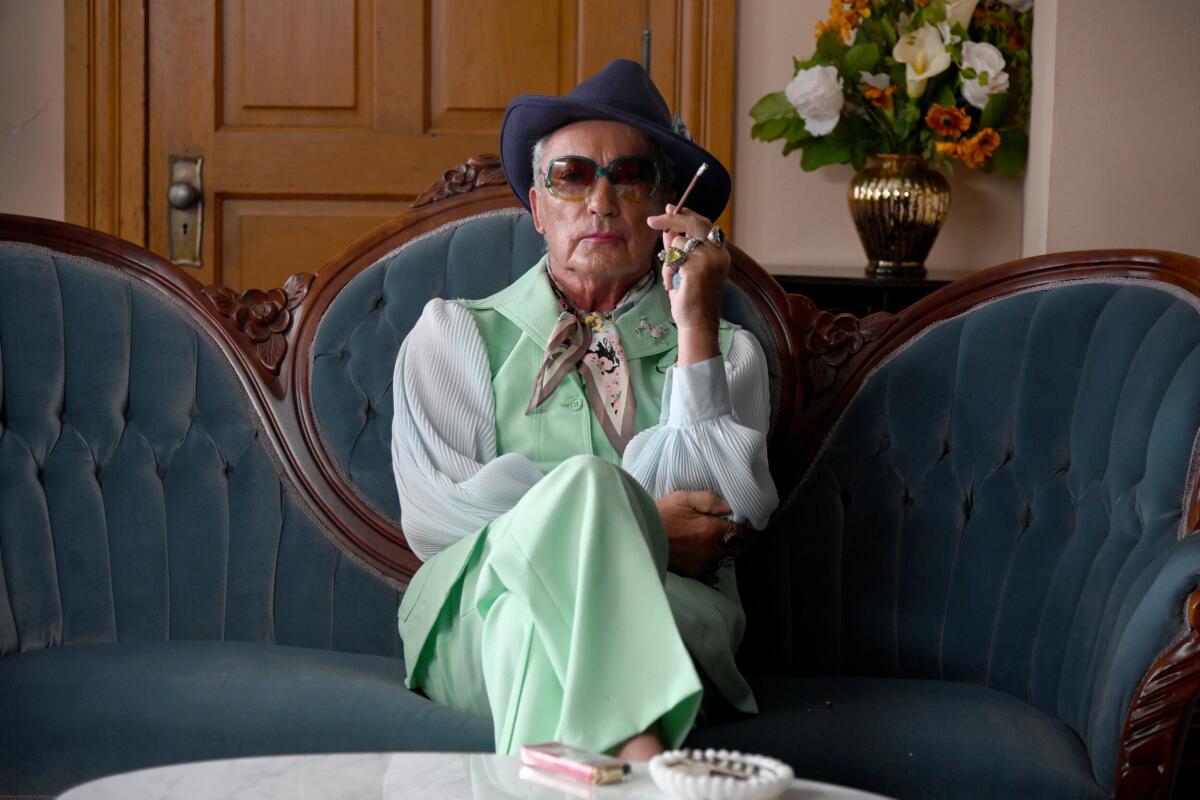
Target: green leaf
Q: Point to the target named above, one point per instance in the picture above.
(945, 96)
(889, 30)
(860, 58)
(996, 110)
(796, 132)
(1009, 158)
(830, 44)
(798, 65)
(823, 151)
(773, 106)
(858, 156)
(770, 130)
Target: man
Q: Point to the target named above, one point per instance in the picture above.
(576, 455)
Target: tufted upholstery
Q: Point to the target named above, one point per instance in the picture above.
(1002, 504)
(988, 543)
(132, 482)
(359, 336)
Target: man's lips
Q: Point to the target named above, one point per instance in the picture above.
(602, 237)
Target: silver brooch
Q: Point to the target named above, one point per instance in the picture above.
(656, 331)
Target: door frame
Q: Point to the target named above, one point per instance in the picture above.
(107, 84)
(106, 81)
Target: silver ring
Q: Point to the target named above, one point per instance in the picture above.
(691, 244)
(716, 236)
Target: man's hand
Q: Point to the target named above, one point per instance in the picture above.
(696, 304)
(695, 529)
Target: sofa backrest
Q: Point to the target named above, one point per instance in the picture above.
(361, 331)
(1004, 478)
(138, 497)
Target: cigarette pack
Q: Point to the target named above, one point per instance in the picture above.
(574, 763)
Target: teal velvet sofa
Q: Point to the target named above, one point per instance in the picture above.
(983, 581)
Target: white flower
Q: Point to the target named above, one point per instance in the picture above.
(816, 92)
(960, 11)
(1018, 5)
(949, 38)
(924, 56)
(987, 61)
(880, 80)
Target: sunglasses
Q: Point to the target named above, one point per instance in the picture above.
(633, 178)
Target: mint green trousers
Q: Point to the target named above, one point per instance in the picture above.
(557, 625)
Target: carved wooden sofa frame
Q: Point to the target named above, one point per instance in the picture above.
(824, 360)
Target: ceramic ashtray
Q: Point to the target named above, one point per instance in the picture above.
(719, 775)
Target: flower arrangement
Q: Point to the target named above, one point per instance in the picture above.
(948, 80)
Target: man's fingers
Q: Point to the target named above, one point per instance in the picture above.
(708, 503)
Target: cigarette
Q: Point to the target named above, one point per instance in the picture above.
(688, 190)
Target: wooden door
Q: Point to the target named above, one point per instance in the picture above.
(317, 120)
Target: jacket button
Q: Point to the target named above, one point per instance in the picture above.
(576, 404)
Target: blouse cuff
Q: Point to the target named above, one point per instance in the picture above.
(699, 391)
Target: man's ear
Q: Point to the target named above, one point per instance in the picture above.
(533, 207)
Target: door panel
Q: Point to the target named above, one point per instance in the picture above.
(287, 231)
(319, 119)
(267, 80)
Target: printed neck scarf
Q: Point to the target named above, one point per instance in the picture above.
(590, 341)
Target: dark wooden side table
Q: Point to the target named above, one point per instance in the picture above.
(838, 291)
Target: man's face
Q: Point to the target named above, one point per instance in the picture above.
(602, 237)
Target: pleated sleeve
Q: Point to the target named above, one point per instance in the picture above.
(712, 434)
(447, 474)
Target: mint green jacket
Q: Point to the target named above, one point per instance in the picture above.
(514, 325)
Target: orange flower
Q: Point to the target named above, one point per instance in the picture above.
(974, 152)
(948, 149)
(880, 98)
(845, 16)
(949, 121)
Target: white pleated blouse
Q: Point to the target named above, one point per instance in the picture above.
(711, 434)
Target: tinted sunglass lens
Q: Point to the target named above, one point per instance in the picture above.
(571, 178)
(634, 178)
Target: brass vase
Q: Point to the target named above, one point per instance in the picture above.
(898, 204)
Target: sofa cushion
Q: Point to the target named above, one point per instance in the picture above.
(996, 502)
(138, 498)
(74, 713)
(911, 738)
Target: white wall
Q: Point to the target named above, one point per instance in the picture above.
(1124, 143)
(790, 220)
(1114, 158)
(32, 126)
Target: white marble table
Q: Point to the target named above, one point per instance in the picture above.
(387, 776)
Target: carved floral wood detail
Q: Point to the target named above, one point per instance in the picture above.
(475, 173)
(1147, 746)
(263, 318)
(830, 339)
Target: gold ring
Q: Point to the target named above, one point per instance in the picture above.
(672, 257)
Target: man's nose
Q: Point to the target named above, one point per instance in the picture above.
(602, 199)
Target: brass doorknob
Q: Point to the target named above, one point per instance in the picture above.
(182, 195)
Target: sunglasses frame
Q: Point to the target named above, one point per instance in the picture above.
(600, 173)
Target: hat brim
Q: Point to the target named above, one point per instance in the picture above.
(531, 117)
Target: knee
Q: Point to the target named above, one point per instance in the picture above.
(587, 468)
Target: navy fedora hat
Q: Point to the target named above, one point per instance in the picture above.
(621, 92)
